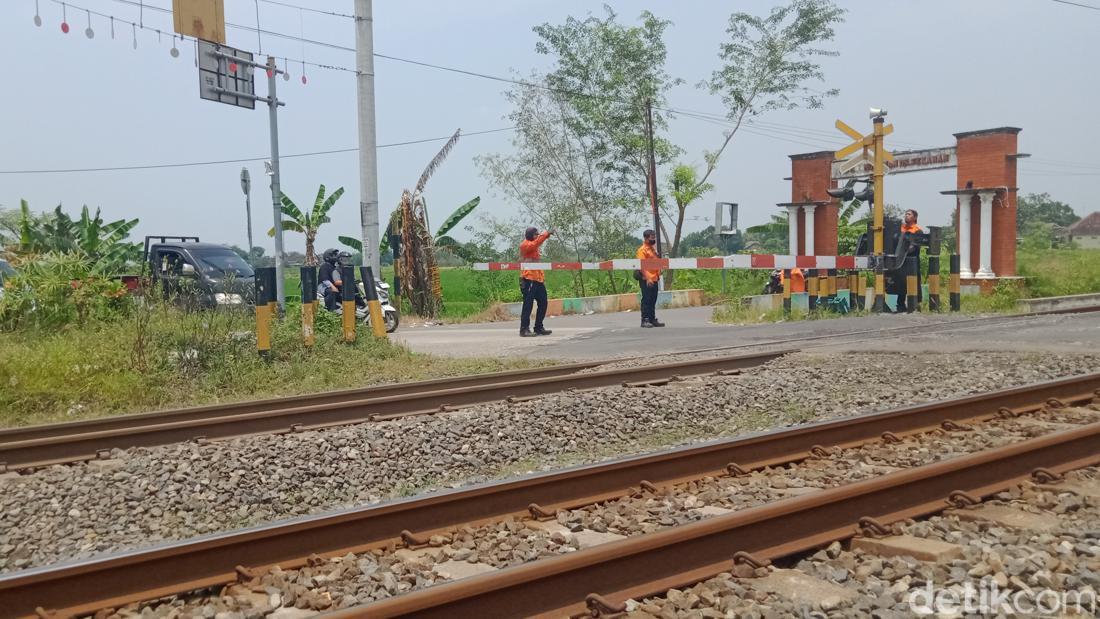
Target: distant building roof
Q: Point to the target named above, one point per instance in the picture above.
(1089, 226)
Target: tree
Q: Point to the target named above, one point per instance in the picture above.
(308, 223)
(685, 188)
(103, 244)
(605, 73)
(553, 175)
(770, 237)
(767, 60)
(1040, 208)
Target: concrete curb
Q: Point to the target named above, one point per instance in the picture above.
(606, 304)
(1051, 303)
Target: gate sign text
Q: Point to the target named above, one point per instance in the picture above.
(904, 161)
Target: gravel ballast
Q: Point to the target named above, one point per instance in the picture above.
(143, 496)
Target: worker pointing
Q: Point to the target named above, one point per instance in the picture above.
(532, 283)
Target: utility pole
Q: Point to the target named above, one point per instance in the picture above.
(246, 187)
(276, 191)
(368, 155)
(651, 187)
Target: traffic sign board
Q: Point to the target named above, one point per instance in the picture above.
(222, 78)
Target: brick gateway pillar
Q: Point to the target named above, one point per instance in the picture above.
(986, 191)
(812, 213)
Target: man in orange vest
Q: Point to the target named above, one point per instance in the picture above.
(648, 281)
(532, 284)
(908, 226)
(798, 280)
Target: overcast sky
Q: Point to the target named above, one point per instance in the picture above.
(939, 66)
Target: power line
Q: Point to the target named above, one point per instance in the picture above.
(78, 8)
(1084, 6)
(191, 164)
(306, 8)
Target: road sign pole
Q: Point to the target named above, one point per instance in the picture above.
(276, 191)
(880, 273)
(246, 187)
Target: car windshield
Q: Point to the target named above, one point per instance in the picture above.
(223, 262)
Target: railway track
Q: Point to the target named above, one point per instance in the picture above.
(647, 564)
(36, 446)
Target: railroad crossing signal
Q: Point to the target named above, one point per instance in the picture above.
(871, 146)
(864, 142)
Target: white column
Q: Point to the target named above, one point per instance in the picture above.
(985, 249)
(792, 229)
(964, 236)
(809, 228)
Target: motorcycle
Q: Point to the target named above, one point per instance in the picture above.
(390, 317)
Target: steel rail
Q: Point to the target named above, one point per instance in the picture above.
(85, 444)
(41, 445)
(112, 581)
(680, 556)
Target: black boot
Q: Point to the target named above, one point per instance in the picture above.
(526, 334)
(656, 323)
(646, 324)
(543, 331)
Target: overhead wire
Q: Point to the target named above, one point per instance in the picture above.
(190, 164)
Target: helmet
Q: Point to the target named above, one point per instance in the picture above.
(331, 256)
(344, 258)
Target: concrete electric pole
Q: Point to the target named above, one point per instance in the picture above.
(368, 156)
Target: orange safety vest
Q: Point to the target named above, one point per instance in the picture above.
(910, 228)
(648, 252)
(529, 252)
(798, 281)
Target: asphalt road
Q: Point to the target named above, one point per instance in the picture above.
(602, 336)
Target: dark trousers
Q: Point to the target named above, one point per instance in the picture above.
(332, 299)
(533, 293)
(649, 300)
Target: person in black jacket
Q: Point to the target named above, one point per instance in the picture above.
(328, 279)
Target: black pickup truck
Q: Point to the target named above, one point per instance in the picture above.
(193, 273)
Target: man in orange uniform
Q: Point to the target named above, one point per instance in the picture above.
(798, 280)
(532, 284)
(908, 226)
(648, 283)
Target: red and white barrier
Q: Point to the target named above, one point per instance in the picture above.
(737, 261)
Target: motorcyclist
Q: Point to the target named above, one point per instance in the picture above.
(344, 259)
(328, 278)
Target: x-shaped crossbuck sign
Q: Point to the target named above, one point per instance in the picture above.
(866, 142)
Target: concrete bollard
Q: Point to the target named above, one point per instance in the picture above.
(787, 284)
(934, 284)
(955, 285)
(309, 303)
(880, 290)
(811, 288)
(347, 296)
(912, 267)
(264, 296)
(377, 324)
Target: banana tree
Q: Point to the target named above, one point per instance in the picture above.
(308, 223)
(104, 245)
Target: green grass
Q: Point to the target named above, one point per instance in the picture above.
(164, 358)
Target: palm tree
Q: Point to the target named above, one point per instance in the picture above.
(308, 223)
(442, 240)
